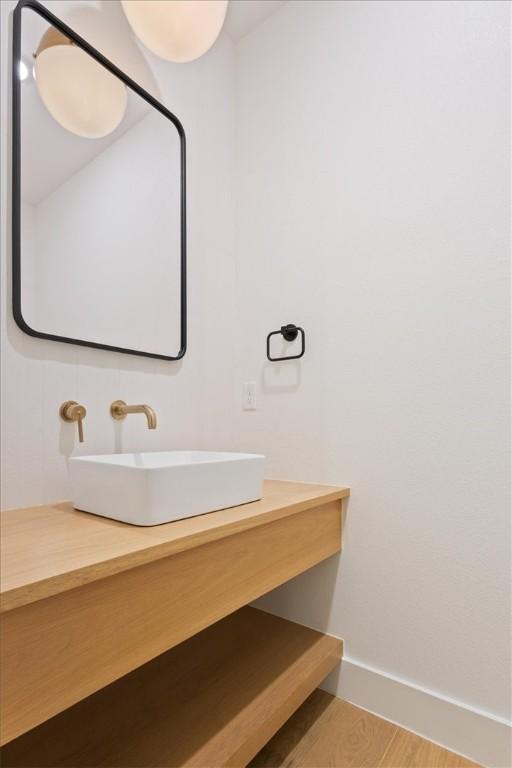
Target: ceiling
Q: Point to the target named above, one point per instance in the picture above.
(244, 15)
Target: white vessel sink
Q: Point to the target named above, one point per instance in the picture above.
(155, 488)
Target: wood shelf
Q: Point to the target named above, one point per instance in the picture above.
(213, 700)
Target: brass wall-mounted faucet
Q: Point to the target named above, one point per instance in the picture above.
(72, 411)
(119, 410)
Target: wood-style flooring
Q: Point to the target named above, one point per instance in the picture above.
(327, 732)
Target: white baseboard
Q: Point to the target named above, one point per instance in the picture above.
(475, 734)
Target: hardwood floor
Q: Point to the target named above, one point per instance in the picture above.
(327, 732)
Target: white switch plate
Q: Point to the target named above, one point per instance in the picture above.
(249, 396)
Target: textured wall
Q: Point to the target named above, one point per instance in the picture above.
(373, 210)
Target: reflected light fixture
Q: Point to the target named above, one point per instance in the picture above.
(176, 30)
(22, 70)
(80, 94)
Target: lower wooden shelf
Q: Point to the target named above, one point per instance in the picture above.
(213, 700)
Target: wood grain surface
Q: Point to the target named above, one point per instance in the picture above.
(50, 549)
(56, 651)
(327, 732)
(214, 700)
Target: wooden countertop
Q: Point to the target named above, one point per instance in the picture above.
(53, 548)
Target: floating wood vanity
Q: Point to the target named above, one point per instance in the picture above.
(127, 646)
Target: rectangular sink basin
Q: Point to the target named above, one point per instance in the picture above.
(155, 488)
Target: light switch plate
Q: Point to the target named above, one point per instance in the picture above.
(249, 396)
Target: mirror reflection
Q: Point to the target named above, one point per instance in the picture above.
(100, 202)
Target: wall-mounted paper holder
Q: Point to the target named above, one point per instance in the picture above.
(289, 333)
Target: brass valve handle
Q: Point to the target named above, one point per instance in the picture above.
(72, 411)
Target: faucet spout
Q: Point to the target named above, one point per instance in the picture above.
(147, 411)
(120, 410)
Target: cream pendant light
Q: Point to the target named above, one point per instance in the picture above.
(176, 30)
(80, 94)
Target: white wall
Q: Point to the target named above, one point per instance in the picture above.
(373, 210)
(38, 375)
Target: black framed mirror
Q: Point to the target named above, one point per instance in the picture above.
(99, 198)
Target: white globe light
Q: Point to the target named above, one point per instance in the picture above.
(80, 94)
(176, 30)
